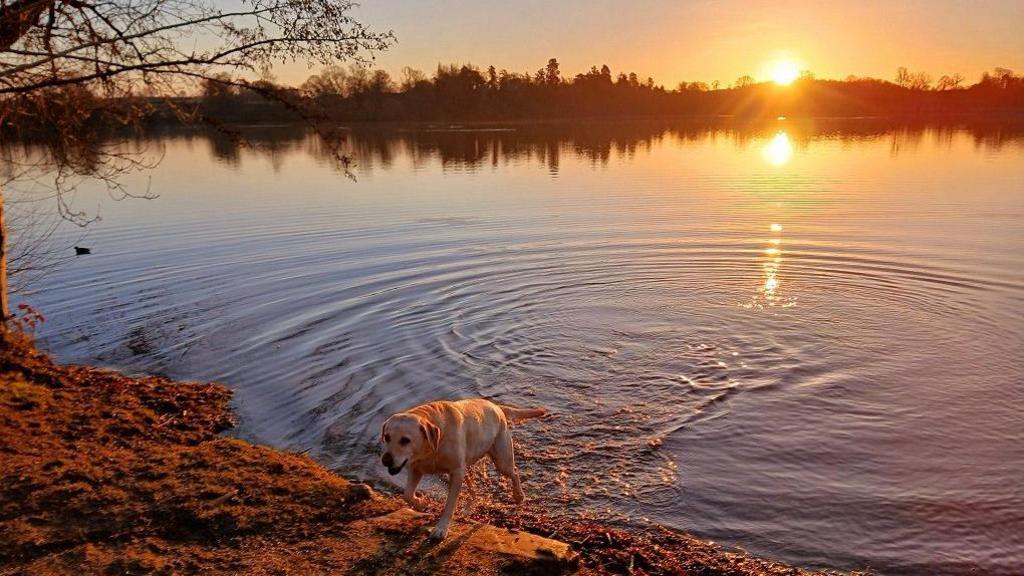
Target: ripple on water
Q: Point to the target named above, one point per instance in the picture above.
(816, 390)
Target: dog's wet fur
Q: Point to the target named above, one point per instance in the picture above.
(448, 438)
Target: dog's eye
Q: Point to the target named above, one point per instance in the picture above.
(387, 437)
(403, 441)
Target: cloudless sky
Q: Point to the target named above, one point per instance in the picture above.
(701, 39)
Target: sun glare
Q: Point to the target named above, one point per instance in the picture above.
(778, 150)
(785, 72)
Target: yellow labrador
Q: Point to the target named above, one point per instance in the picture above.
(449, 437)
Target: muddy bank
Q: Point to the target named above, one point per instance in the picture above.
(103, 473)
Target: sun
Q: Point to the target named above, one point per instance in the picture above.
(784, 72)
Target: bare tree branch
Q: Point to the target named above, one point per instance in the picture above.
(71, 71)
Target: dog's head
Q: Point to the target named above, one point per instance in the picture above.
(407, 437)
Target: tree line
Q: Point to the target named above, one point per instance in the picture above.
(466, 92)
(357, 93)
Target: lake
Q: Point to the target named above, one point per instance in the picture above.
(802, 338)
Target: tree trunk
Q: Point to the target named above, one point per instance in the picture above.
(5, 309)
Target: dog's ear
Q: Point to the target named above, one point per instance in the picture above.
(431, 432)
(384, 427)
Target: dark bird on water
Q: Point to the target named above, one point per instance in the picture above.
(79, 251)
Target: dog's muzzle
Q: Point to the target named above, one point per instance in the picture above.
(389, 461)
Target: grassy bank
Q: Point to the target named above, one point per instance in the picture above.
(101, 473)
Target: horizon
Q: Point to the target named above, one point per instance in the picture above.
(781, 71)
(710, 42)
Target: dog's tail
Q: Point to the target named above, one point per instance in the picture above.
(520, 414)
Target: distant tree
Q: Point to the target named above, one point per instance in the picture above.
(1000, 72)
(744, 81)
(380, 83)
(913, 80)
(551, 74)
(692, 87)
(412, 77)
(331, 81)
(902, 77)
(1004, 77)
(920, 81)
(459, 89)
(949, 82)
(357, 81)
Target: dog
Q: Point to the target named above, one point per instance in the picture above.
(449, 437)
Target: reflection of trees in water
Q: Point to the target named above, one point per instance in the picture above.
(473, 147)
(29, 172)
(468, 149)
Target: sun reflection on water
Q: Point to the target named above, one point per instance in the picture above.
(768, 293)
(779, 149)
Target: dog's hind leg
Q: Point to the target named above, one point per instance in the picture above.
(454, 486)
(504, 459)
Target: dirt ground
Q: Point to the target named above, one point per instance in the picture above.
(101, 473)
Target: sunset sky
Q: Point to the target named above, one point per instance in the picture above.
(701, 40)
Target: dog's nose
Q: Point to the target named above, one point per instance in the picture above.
(387, 459)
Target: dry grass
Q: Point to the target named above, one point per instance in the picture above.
(105, 473)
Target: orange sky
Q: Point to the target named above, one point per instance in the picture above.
(701, 40)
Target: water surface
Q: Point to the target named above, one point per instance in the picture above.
(805, 339)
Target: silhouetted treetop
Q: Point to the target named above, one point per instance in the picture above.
(457, 92)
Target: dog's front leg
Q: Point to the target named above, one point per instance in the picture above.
(454, 486)
(411, 482)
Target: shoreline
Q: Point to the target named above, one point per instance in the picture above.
(967, 119)
(103, 472)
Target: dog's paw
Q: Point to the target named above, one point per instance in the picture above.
(416, 503)
(439, 533)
